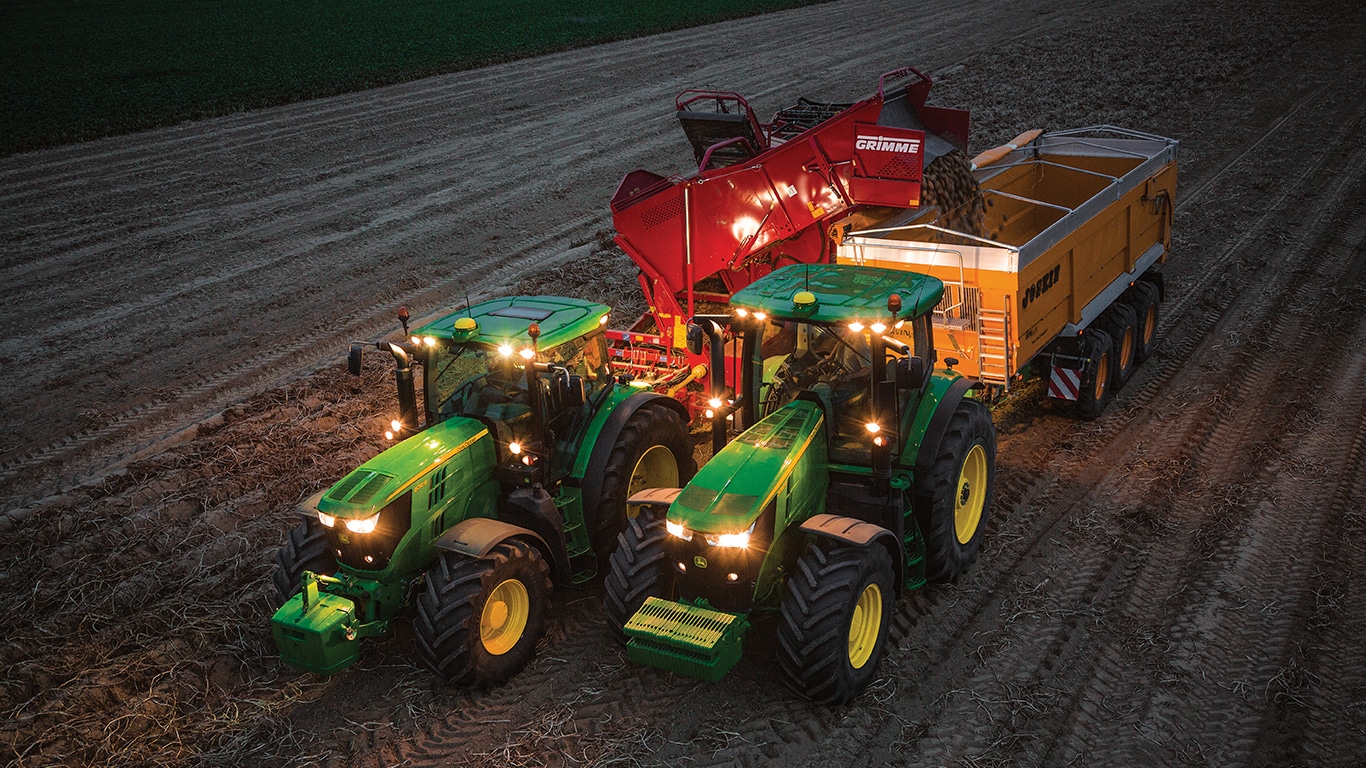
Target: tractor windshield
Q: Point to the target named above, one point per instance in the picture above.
(474, 380)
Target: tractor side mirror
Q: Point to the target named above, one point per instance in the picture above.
(573, 393)
(353, 358)
(695, 338)
(910, 372)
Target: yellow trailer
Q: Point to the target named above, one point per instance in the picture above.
(1066, 271)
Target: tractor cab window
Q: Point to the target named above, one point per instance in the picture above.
(473, 380)
(586, 357)
(833, 363)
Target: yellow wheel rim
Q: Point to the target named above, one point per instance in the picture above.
(1150, 324)
(1126, 349)
(1102, 375)
(972, 494)
(864, 626)
(656, 468)
(504, 618)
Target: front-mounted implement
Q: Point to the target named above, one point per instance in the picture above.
(861, 472)
(509, 475)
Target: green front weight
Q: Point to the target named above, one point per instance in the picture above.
(318, 632)
(687, 639)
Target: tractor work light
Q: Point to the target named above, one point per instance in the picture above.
(365, 525)
(856, 327)
(742, 312)
(396, 425)
(873, 427)
(515, 447)
(505, 350)
(416, 341)
(715, 402)
(879, 327)
(677, 529)
(388, 435)
(327, 520)
(760, 316)
(429, 341)
(527, 353)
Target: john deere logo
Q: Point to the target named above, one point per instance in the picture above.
(699, 561)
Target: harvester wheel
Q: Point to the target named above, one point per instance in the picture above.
(479, 620)
(652, 451)
(1096, 379)
(1144, 298)
(1121, 324)
(639, 570)
(305, 549)
(834, 620)
(953, 502)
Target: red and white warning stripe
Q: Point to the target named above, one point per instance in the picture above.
(1065, 383)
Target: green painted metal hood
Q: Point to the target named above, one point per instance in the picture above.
(730, 492)
(844, 293)
(372, 485)
(505, 321)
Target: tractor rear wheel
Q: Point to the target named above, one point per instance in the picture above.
(1096, 377)
(834, 621)
(953, 502)
(1120, 323)
(479, 620)
(639, 570)
(652, 451)
(1144, 297)
(305, 549)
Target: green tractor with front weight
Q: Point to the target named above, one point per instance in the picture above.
(513, 477)
(862, 472)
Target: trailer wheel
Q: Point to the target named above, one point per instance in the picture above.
(1120, 323)
(652, 451)
(1095, 377)
(1143, 298)
(953, 502)
(639, 570)
(305, 549)
(479, 620)
(835, 615)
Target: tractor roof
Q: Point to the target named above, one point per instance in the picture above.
(506, 320)
(841, 292)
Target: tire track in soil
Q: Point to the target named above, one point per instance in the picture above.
(168, 205)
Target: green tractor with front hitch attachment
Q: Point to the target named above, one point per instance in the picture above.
(861, 472)
(512, 478)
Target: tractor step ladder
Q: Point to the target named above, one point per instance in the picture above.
(993, 346)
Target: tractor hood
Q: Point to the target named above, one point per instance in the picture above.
(371, 486)
(730, 492)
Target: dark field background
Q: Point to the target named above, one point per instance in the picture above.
(79, 69)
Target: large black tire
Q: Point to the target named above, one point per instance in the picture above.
(1120, 322)
(834, 621)
(305, 549)
(463, 636)
(652, 451)
(1096, 381)
(953, 502)
(1146, 301)
(639, 570)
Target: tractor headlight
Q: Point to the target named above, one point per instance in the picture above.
(677, 529)
(365, 525)
(327, 520)
(733, 540)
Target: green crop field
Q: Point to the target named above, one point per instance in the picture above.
(78, 69)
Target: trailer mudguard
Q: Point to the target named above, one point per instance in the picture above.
(859, 533)
(606, 440)
(939, 424)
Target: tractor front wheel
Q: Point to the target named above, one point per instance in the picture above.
(652, 451)
(952, 503)
(639, 570)
(834, 621)
(305, 549)
(479, 620)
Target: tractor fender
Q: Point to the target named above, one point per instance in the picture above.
(939, 424)
(523, 516)
(859, 533)
(606, 440)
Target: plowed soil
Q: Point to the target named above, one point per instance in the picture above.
(1176, 583)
